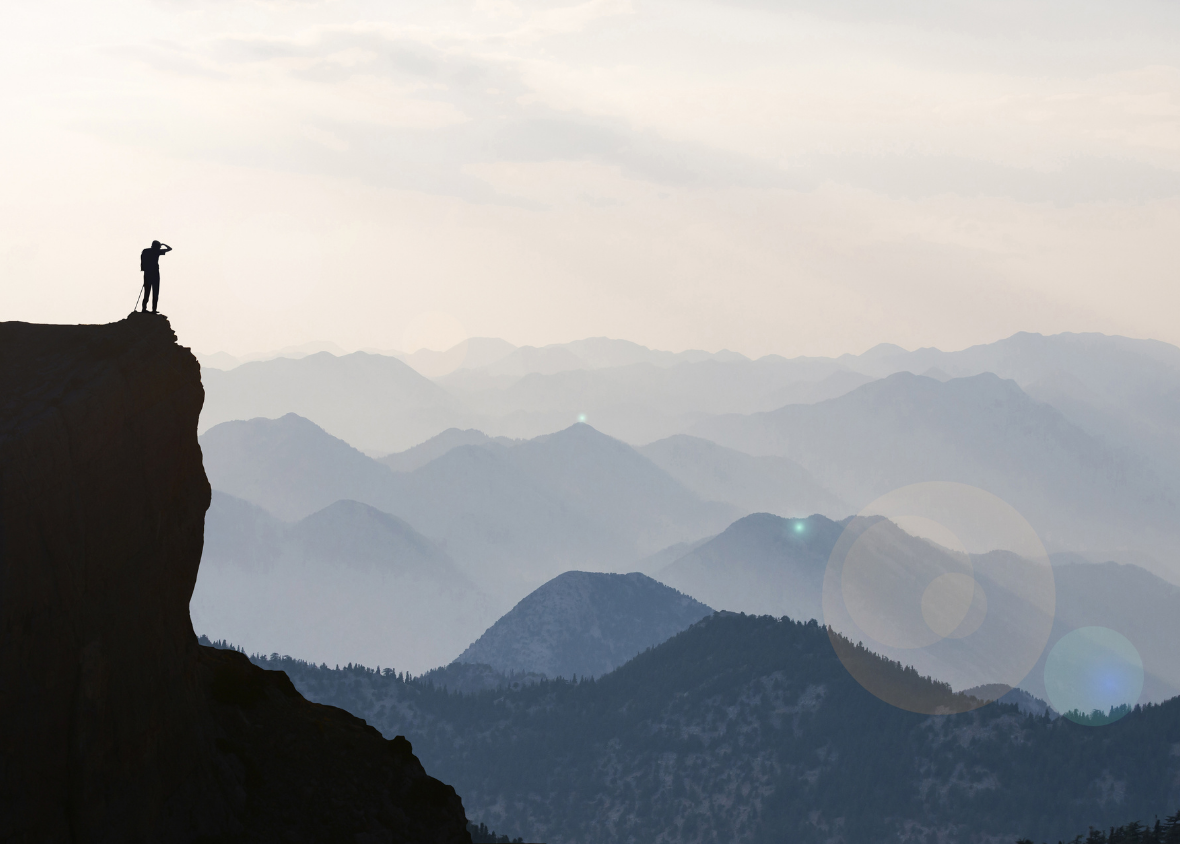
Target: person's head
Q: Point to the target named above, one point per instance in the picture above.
(155, 244)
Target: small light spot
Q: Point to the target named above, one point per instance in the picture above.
(581, 417)
(798, 527)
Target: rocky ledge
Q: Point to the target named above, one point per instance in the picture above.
(115, 724)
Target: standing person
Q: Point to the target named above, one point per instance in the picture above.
(149, 262)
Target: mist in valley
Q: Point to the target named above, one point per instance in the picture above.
(658, 422)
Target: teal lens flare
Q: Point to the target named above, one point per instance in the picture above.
(1093, 675)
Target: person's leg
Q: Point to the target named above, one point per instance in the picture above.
(147, 290)
(155, 292)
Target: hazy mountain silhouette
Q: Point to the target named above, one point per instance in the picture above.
(511, 517)
(1078, 492)
(762, 565)
(766, 565)
(653, 563)
(645, 401)
(226, 361)
(218, 360)
(472, 353)
(594, 353)
(1129, 600)
(530, 359)
(374, 402)
(1126, 391)
(625, 491)
(1123, 389)
(830, 386)
(510, 531)
(437, 446)
(290, 466)
(585, 624)
(1025, 357)
(751, 484)
(242, 533)
(575, 499)
(348, 582)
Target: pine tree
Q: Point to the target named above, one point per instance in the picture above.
(1171, 829)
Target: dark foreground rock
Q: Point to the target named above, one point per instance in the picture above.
(115, 725)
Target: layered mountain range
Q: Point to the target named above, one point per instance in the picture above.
(1079, 432)
(118, 725)
(746, 728)
(1079, 492)
(347, 581)
(749, 478)
(1124, 389)
(765, 564)
(511, 516)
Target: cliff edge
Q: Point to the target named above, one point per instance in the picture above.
(115, 724)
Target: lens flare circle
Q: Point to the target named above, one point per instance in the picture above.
(947, 579)
(948, 600)
(1093, 675)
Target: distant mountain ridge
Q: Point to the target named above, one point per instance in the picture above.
(290, 466)
(766, 565)
(1079, 493)
(1124, 390)
(763, 564)
(584, 624)
(347, 582)
(437, 446)
(642, 402)
(751, 484)
(512, 518)
(369, 401)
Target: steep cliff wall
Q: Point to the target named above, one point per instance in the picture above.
(115, 725)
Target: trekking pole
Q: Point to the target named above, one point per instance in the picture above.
(137, 295)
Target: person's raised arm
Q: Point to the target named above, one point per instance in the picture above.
(164, 248)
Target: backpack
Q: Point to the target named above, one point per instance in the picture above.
(143, 260)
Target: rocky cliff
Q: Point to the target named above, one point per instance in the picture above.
(115, 724)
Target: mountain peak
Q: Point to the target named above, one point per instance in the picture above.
(289, 465)
(584, 623)
(882, 350)
(761, 563)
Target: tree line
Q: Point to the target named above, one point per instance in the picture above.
(1165, 832)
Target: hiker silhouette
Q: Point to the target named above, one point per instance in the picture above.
(149, 262)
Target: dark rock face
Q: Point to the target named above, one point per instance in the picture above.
(115, 724)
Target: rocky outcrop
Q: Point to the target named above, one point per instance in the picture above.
(115, 724)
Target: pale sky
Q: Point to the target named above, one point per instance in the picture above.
(796, 177)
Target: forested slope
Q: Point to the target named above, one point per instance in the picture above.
(749, 729)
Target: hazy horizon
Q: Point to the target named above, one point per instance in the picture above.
(297, 349)
(794, 178)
